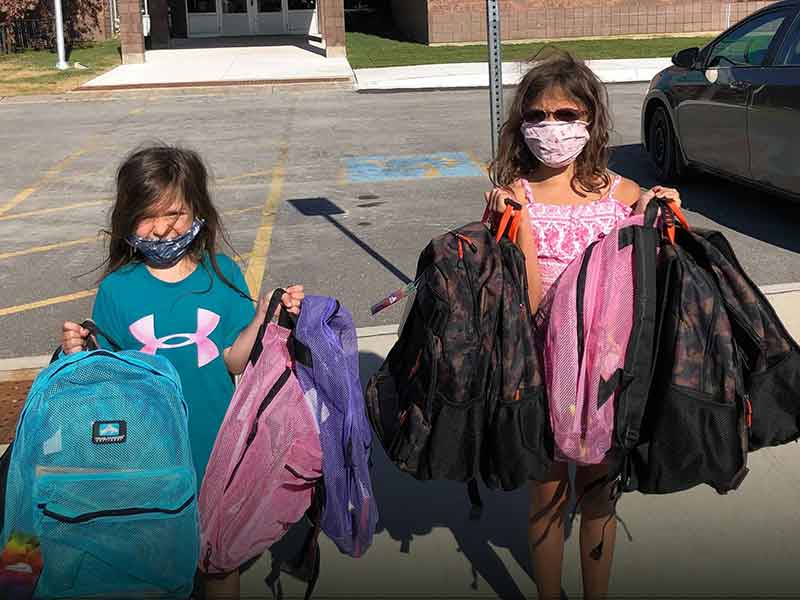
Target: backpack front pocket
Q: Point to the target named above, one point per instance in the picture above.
(694, 439)
(114, 533)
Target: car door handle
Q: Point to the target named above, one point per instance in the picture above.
(740, 85)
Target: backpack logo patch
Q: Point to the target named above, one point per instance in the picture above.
(109, 432)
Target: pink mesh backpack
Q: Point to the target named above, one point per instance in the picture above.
(596, 328)
(266, 459)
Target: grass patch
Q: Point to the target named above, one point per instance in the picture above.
(34, 71)
(366, 50)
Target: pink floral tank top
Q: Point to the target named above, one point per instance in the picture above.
(564, 231)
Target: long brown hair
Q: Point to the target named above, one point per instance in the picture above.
(514, 160)
(149, 176)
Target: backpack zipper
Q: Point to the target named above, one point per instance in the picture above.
(581, 288)
(431, 389)
(474, 248)
(741, 321)
(707, 348)
(119, 512)
(277, 386)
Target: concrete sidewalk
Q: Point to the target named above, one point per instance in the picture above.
(285, 63)
(476, 75)
(290, 64)
(694, 544)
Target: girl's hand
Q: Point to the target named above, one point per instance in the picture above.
(293, 298)
(669, 194)
(496, 199)
(73, 338)
(291, 301)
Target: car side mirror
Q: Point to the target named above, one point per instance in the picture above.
(687, 58)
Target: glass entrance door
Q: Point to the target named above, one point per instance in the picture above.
(302, 17)
(265, 17)
(235, 17)
(269, 17)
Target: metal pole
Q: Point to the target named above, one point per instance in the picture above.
(62, 62)
(495, 71)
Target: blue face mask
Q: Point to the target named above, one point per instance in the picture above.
(165, 253)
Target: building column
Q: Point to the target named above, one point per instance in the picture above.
(159, 24)
(331, 25)
(130, 31)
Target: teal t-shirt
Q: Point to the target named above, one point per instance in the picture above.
(191, 323)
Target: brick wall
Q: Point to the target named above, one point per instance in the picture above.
(130, 31)
(465, 20)
(330, 14)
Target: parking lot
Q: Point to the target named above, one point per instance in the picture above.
(332, 189)
(341, 192)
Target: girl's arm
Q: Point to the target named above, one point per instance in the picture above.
(236, 356)
(526, 240)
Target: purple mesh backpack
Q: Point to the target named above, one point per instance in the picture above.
(333, 388)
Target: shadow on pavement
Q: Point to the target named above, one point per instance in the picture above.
(322, 207)
(765, 217)
(409, 508)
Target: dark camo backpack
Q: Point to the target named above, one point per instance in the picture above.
(770, 356)
(454, 398)
(519, 442)
(695, 426)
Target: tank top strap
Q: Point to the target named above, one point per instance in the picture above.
(528, 191)
(614, 185)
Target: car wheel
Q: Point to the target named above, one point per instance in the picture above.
(662, 146)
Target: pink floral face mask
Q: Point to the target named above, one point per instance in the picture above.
(556, 143)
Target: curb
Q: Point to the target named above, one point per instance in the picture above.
(466, 76)
(22, 369)
(113, 93)
(26, 368)
(310, 81)
(780, 288)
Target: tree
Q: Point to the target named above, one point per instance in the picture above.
(82, 21)
(12, 10)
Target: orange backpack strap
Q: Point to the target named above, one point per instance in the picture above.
(674, 212)
(509, 221)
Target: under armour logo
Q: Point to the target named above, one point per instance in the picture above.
(144, 330)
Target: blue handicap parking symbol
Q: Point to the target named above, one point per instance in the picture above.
(387, 168)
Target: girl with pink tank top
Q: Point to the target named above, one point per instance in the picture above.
(553, 158)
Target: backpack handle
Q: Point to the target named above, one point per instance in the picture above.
(670, 211)
(258, 346)
(674, 211)
(287, 320)
(509, 222)
(94, 331)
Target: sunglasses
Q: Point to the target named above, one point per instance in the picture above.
(567, 115)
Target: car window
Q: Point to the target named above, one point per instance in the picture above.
(790, 53)
(748, 44)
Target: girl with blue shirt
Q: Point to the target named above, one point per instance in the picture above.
(166, 290)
